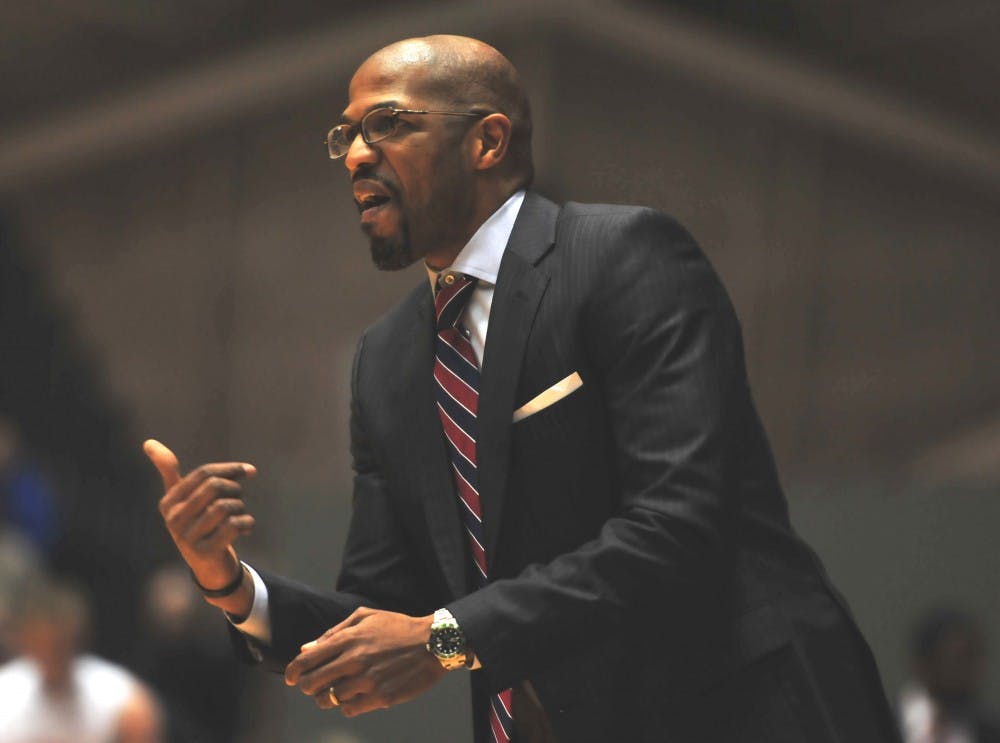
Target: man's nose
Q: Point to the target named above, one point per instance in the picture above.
(359, 153)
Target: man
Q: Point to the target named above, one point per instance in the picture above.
(52, 692)
(579, 505)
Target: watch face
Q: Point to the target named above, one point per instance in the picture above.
(446, 642)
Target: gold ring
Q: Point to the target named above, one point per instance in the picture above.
(333, 697)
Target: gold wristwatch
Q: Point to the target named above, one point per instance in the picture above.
(447, 642)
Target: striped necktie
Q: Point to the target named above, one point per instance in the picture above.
(456, 376)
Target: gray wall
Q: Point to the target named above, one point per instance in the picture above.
(221, 282)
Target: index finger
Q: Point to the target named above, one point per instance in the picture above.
(355, 616)
(188, 484)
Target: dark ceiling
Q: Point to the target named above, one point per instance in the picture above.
(54, 53)
(943, 55)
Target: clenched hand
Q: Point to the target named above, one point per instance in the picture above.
(373, 659)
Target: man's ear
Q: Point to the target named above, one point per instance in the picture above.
(492, 138)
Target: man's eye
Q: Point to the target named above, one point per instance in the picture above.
(343, 134)
(381, 125)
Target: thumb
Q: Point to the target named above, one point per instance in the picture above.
(164, 460)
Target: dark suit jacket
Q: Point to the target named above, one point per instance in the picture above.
(644, 576)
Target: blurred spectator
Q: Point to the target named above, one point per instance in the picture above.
(27, 499)
(19, 564)
(940, 702)
(185, 656)
(54, 693)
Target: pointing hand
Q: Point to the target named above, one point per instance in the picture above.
(204, 513)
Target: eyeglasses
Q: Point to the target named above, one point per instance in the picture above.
(376, 125)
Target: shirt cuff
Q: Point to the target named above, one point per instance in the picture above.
(258, 622)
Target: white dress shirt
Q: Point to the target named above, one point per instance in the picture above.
(480, 258)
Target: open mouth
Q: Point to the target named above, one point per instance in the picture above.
(371, 202)
(370, 196)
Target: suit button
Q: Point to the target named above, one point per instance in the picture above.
(449, 279)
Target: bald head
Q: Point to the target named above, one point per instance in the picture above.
(463, 74)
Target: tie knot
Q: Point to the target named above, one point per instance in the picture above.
(454, 290)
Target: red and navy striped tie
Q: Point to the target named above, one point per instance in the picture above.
(456, 375)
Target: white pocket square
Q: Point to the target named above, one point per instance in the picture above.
(553, 394)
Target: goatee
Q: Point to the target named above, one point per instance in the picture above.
(392, 255)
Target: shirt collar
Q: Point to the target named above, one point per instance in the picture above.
(481, 255)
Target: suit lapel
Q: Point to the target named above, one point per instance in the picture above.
(429, 463)
(519, 289)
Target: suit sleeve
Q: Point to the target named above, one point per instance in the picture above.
(378, 562)
(376, 570)
(665, 343)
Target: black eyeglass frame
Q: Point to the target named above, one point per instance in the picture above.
(360, 127)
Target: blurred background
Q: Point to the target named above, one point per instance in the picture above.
(179, 259)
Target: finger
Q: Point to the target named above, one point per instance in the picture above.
(314, 658)
(232, 529)
(165, 462)
(356, 616)
(313, 681)
(323, 700)
(181, 516)
(326, 646)
(362, 704)
(350, 687)
(212, 517)
(188, 511)
(184, 489)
